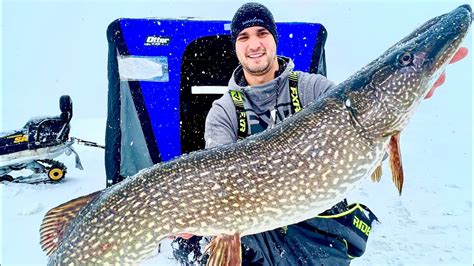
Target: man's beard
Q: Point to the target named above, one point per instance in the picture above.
(259, 70)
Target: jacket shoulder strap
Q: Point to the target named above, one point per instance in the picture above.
(238, 100)
(294, 95)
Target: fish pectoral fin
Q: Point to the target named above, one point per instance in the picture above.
(224, 250)
(56, 220)
(377, 174)
(395, 159)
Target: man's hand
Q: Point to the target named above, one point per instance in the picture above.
(460, 54)
(183, 235)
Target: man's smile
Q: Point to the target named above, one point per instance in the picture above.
(256, 55)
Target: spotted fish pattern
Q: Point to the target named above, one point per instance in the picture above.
(282, 176)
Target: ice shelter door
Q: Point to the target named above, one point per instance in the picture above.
(206, 68)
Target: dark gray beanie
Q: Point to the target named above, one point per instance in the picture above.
(252, 14)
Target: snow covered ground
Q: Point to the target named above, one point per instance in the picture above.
(50, 48)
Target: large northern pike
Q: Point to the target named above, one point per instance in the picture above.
(282, 176)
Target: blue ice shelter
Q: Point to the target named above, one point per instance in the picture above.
(164, 75)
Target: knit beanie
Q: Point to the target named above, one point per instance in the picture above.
(252, 14)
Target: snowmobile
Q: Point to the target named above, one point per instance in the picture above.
(34, 146)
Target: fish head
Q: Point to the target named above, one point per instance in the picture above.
(384, 94)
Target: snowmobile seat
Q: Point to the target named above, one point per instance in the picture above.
(51, 131)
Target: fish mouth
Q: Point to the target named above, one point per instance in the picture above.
(444, 37)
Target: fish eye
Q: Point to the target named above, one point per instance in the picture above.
(405, 59)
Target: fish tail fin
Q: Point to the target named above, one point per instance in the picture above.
(57, 219)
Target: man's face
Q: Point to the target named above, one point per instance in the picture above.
(256, 50)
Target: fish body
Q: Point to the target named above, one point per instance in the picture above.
(282, 176)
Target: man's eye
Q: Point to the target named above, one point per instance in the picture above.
(264, 33)
(242, 38)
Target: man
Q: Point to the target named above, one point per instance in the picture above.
(262, 81)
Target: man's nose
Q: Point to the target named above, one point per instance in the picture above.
(254, 43)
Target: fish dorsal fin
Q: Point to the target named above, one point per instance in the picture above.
(57, 219)
(395, 159)
(377, 174)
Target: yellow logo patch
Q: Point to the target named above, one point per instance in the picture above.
(361, 225)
